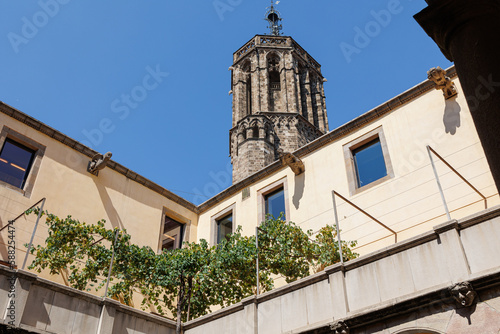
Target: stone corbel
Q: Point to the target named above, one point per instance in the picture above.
(443, 82)
(293, 162)
(339, 327)
(98, 162)
(463, 293)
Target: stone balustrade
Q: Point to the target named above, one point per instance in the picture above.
(444, 281)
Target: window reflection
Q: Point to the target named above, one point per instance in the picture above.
(15, 163)
(173, 233)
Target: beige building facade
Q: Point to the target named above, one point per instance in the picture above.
(397, 171)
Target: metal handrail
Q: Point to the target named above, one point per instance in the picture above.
(22, 214)
(430, 149)
(334, 193)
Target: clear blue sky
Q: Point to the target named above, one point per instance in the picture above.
(71, 64)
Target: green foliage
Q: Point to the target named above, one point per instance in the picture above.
(289, 251)
(190, 280)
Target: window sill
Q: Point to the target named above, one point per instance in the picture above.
(371, 185)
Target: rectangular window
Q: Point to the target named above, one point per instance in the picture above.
(275, 203)
(173, 234)
(15, 163)
(369, 163)
(222, 224)
(224, 227)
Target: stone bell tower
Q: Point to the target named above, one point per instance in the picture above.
(278, 100)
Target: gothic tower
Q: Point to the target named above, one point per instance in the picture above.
(278, 100)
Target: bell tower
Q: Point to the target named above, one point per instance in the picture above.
(278, 99)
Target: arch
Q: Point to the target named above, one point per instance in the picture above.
(246, 68)
(273, 66)
(255, 131)
(268, 129)
(273, 54)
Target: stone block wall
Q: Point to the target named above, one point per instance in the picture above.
(257, 90)
(259, 139)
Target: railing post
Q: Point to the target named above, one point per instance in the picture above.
(338, 228)
(460, 176)
(33, 234)
(438, 183)
(257, 257)
(111, 265)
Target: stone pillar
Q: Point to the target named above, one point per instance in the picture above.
(237, 95)
(16, 304)
(307, 84)
(250, 315)
(468, 34)
(255, 86)
(291, 88)
(263, 82)
(325, 114)
(107, 319)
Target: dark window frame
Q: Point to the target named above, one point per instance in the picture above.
(219, 223)
(358, 152)
(262, 193)
(266, 202)
(177, 243)
(351, 168)
(27, 168)
(173, 216)
(219, 216)
(9, 135)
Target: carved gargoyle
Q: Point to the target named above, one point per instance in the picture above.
(98, 162)
(463, 293)
(339, 327)
(444, 83)
(293, 162)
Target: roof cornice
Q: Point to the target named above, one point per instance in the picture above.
(79, 147)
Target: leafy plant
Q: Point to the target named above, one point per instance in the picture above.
(190, 280)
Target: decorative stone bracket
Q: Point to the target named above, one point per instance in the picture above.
(463, 293)
(98, 162)
(443, 82)
(339, 327)
(293, 162)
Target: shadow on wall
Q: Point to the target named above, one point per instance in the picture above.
(74, 162)
(300, 183)
(451, 118)
(113, 216)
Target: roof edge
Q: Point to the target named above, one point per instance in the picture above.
(343, 130)
(79, 147)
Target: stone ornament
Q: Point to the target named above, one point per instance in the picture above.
(463, 293)
(98, 162)
(293, 162)
(443, 82)
(339, 327)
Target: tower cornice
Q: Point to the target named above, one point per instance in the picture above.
(275, 42)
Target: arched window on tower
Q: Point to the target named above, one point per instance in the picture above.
(255, 131)
(248, 88)
(274, 73)
(303, 90)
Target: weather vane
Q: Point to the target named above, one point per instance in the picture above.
(274, 19)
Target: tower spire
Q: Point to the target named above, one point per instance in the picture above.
(274, 19)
